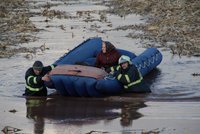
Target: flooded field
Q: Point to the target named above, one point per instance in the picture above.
(172, 107)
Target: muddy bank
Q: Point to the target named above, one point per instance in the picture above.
(15, 27)
(174, 25)
(17, 30)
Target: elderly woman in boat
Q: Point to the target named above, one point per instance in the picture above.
(108, 56)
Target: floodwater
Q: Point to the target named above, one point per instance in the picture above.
(172, 107)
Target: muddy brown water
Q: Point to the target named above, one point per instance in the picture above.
(172, 107)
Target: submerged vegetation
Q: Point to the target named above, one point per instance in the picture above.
(174, 24)
(171, 24)
(15, 27)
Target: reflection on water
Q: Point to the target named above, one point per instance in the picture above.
(129, 113)
(35, 113)
(79, 112)
(151, 77)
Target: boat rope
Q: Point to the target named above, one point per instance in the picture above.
(109, 77)
(148, 62)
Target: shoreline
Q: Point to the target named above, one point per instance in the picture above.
(16, 28)
(171, 25)
(171, 28)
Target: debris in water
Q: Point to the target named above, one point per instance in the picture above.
(196, 74)
(13, 111)
(10, 130)
(100, 132)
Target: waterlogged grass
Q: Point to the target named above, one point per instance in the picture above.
(171, 24)
(15, 27)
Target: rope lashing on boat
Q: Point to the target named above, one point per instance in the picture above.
(109, 77)
(148, 62)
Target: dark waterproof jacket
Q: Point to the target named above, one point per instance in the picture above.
(34, 83)
(131, 79)
(108, 59)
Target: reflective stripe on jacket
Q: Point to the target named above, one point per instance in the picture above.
(114, 68)
(31, 79)
(134, 82)
(31, 83)
(34, 89)
(129, 77)
(34, 82)
(52, 66)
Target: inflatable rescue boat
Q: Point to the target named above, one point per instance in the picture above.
(70, 79)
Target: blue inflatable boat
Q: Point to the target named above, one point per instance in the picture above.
(86, 52)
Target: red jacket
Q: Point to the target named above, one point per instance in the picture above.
(108, 59)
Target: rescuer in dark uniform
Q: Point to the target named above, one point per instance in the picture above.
(128, 74)
(35, 78)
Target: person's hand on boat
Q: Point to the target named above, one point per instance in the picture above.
(46, 78)
(112, 72)
(102, 68)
